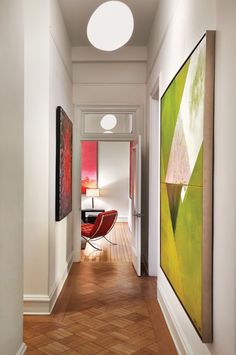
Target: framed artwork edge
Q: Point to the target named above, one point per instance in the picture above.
(208, 166)
(208, 183)
(58, 215)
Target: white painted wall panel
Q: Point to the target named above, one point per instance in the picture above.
(60, 36)
(109, 73)
(109, 94)
(36, 147)
(11, 175)
(48, 84)
(126, 53)
(60, 233)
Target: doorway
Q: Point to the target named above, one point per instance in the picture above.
(123, 124)
(106, 166)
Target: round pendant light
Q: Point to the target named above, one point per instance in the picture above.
(108, 122)
(110, 26)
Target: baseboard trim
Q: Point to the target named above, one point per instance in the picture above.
(144, 266)
(22, 349)
(76, 256)
(122, 219)
(43, 304)
(176, 331)
(56, 290)
(36, 304)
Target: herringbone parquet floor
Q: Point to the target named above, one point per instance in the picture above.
(104, 308)
(121, 235)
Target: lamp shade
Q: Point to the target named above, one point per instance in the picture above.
(92, 192)
(110, 26)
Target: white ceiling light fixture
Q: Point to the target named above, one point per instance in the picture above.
(108, 122)
(110, 26)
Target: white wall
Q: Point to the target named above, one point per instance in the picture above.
(114, 87)
(60, 233)
(225, 181)
(59, 35)
(109, 73)
(11, 176)
(48, 84)
(36, 147)
(113, 179)
(183, 23)
(124, 54)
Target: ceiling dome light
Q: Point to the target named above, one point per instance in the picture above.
(110, 26)
(108, 122)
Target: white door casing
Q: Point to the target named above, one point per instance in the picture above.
(136, 205)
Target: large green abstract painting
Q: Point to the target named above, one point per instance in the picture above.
(186, 145)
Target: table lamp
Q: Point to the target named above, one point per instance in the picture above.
(92, 193)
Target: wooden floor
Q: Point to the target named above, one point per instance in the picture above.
(104, 308)
(121, 252)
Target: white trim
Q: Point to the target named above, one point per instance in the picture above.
(135, 110)
(35, 313)
(56, 290)
(43, 304)
(178, 336)
(39, 298)
(22, 349)
(104, 108)
(76, 256)
(115, 84)
(76, 188)
(36, 304)
(154, 146)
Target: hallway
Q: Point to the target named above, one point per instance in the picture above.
(172, 83)
(104, 308)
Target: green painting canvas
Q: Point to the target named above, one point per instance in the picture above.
(182, 145)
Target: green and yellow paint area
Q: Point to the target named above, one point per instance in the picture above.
(182, 113)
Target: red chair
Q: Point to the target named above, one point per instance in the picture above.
(105, 221)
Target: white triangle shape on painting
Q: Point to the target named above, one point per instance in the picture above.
(188, 134)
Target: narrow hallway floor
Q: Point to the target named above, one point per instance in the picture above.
(121, 235)
(104, 308)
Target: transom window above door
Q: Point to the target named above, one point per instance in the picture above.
(109, 124)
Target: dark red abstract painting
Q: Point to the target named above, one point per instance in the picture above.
(89, 154)
(64, 129)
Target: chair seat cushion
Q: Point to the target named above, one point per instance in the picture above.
(102, 226)
(86, 229)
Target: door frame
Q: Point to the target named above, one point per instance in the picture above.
(136, 208)
(154, 221)
(136, 111)
(79, 136)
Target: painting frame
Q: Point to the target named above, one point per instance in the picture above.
(89, 169)
(206, 333)
(64, 151)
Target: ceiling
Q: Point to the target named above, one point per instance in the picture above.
(77, 13)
